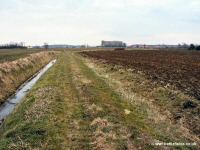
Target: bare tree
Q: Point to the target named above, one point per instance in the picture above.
(46, 46)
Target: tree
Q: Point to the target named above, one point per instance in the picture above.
(198, 48)
(46, 46)
(191, 47)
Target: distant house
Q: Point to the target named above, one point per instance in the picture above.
(113, 44)
(159, 46)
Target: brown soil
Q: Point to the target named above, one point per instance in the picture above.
(177, 68)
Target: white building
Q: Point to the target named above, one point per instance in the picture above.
(113, 44)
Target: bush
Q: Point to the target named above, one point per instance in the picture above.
(192, 47)
(119, 49)
(198, 48)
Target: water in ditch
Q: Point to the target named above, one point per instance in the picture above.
(11, 103)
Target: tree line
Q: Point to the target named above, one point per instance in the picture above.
(11, 46)
(194, 47)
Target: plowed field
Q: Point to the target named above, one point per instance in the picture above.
(178, 68)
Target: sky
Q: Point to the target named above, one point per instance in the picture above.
(90, 21)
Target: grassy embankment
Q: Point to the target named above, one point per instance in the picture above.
(72, 107)
(7, 55)
(21, 66)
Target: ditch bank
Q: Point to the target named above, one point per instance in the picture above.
(15, 73)
(11, 102)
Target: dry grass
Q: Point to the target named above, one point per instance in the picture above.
(7, 55)
(83, 112)
(14, 73)
(154, 100)
(41, 107)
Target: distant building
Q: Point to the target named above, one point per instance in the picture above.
(61, 46)
(144, 46)
(113, 44)
(67, 46)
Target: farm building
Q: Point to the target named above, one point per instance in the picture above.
(113, 44)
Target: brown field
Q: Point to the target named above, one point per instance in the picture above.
(177, 68)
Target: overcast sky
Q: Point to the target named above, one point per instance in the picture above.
(90, 21)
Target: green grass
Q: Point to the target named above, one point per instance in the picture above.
(10, 55)
(51, 130)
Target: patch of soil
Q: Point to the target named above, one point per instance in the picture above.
(178, 68)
